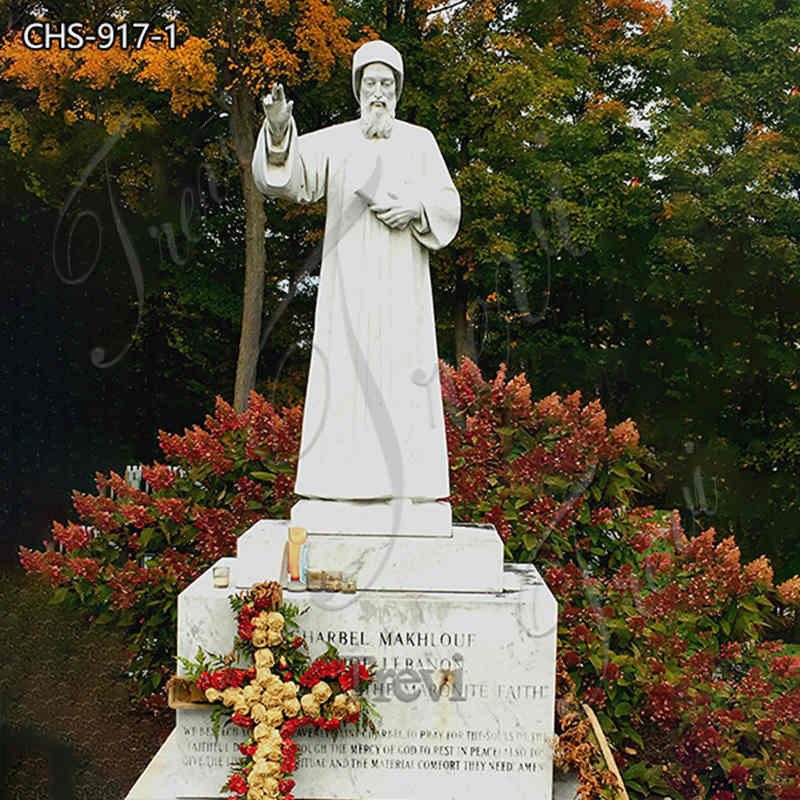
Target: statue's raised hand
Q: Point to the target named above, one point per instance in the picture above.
(278, 112)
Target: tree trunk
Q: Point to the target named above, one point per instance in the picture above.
(255, 254)
(463, 327)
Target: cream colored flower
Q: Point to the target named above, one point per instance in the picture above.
(263, 731)
(339, 706)
(260, 638)
(263, 676)
(274, 638)
(273, 685)
(291, 707)
(258, 712)
(269, 742)
(241, 708)
(275, 621)
(269, 751)
(262, 769)
(353, 705)
(257, 793)
(289, 689)
(274, 717)
(271, 768)
(256, 779)
(251, 693)
(273, 696)
(321, 692)
(261, 621)
(268, 787)
(310, 705)
(264, 658)
(232, 696)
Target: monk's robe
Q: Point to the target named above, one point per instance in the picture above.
(373, 425)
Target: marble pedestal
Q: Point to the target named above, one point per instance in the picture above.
(464, 651)
(470, 559)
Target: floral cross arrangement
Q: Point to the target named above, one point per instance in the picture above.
(282, 692)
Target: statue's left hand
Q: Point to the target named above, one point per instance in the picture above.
(397, 212)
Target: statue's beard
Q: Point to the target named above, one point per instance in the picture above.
(376, 121)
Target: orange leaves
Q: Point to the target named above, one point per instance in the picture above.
(267, 60)
(102, 68)
(317, 39)
(602, 108)
(645, 13)
(43, 71)
(322, 35)
(276, 7)
(188, 73)
(620, 22)
(266, 40)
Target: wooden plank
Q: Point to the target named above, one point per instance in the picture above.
(606, 750)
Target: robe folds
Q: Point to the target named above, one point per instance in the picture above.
(373, 425)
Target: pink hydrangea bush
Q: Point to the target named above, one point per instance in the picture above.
(666, 636)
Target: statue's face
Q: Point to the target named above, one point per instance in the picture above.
(378, 91)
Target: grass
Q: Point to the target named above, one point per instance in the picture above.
(67, 731)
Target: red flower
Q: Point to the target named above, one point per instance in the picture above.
(595, 697)
(571, 658)
(611, 671)
(287, 676)
(219, 680)
(235, 677)
(242, 721)
(247, 749)
(245, 628)
(297, 642)
(285, 786)
(346, 680)
(739, 774)
(262, 603)
(204, 681)
(236, 783)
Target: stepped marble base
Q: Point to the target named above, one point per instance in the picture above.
(470, 559)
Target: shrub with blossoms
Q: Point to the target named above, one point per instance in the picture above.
(132, 552)
(282, 692)
(665, 636)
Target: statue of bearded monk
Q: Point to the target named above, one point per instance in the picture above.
(373, 426)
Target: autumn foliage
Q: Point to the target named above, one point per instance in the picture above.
(665, 636)
(234, 54)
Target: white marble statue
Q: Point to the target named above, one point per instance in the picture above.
(373, 426)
